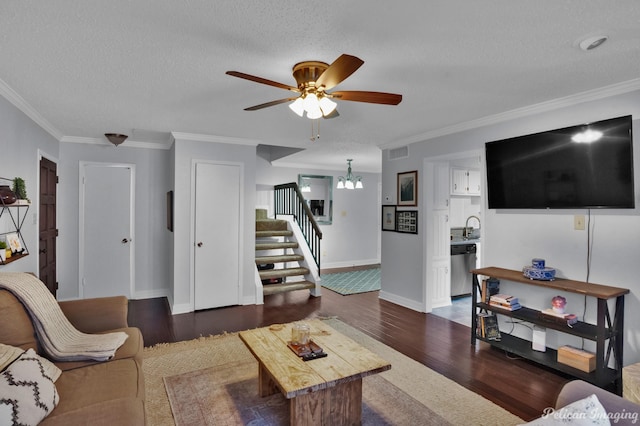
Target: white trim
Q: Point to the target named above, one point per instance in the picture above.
(567, 101)
(214, 139)
(259, 290)
(304, 250)
(18, 101)
(129, 143)
(350, 263)
(150, 294)
(399, 300)
(181, 308)
(81, 220)
(340, 168)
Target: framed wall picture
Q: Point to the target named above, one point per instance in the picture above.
(407, 221)
(13, 242)
(388, 218)
(408, 188)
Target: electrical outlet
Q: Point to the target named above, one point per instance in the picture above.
(578, 222)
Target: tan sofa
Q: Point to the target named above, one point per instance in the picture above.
(91, 393)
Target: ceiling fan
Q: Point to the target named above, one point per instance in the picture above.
(314, 78)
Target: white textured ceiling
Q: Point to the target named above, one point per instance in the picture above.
(150, 67)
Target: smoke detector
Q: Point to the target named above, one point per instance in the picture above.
(591, 42)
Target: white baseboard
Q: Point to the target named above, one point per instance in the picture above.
(440, 303)
(182, 308)
(350, 263)
(150, 294)
(399, 300)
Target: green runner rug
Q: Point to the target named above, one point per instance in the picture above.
(347, 283)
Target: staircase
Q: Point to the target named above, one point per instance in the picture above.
(277, 245)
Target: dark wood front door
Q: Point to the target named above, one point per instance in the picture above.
(48, 231)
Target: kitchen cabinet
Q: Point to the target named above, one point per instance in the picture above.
(465, 181)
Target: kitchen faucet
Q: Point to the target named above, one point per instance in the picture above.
(466, 225)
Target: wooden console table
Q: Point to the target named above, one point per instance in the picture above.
(609, 326)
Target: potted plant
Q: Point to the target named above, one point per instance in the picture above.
(20, 189)
(3, 251)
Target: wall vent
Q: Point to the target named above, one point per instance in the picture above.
(397, 153)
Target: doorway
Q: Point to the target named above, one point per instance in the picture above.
(106, 229)
(47, 231)
(440, 219)
(217, 234)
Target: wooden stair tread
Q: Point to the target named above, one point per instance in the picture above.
(276, 233)
(276, 245)
(271, 225)
(281, 273)
(264, 260)
(269, 289)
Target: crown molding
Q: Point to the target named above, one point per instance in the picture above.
(129, 143)
(342, 168)
(214, 139)
(579, 98)
(18, 101)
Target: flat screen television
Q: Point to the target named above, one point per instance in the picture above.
(584, 166)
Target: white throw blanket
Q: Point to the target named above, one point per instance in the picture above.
(58, 337)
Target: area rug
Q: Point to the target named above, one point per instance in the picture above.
(409, 393)
(347, 283)
(229, 395)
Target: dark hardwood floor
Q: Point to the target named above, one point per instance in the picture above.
(519, 386)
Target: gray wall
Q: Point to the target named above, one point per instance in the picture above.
(512, 238)
(22, 143)
(186, 151)
(152, 257)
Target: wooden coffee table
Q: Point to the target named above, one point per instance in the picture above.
(321, 391)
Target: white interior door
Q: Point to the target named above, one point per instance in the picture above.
(438, 262)
(106, 229)
(217, 234)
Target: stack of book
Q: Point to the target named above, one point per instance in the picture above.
(504, 301)
(488, 327)
(489, 288)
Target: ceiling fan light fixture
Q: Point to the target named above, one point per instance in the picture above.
(314, 114)
(327, 105)
(297, 106)
(115, 138)
(311, 102)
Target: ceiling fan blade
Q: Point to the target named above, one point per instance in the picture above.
(262, 80)
(370, 97)
(338, 71)
(268, 104)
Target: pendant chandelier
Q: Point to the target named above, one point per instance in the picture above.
(350, 181)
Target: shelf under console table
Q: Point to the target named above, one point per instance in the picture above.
(609, 325)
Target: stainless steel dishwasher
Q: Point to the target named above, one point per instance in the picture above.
(463, 260)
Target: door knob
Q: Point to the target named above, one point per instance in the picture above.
(43, 251)
(125, 241)
(200, 244)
